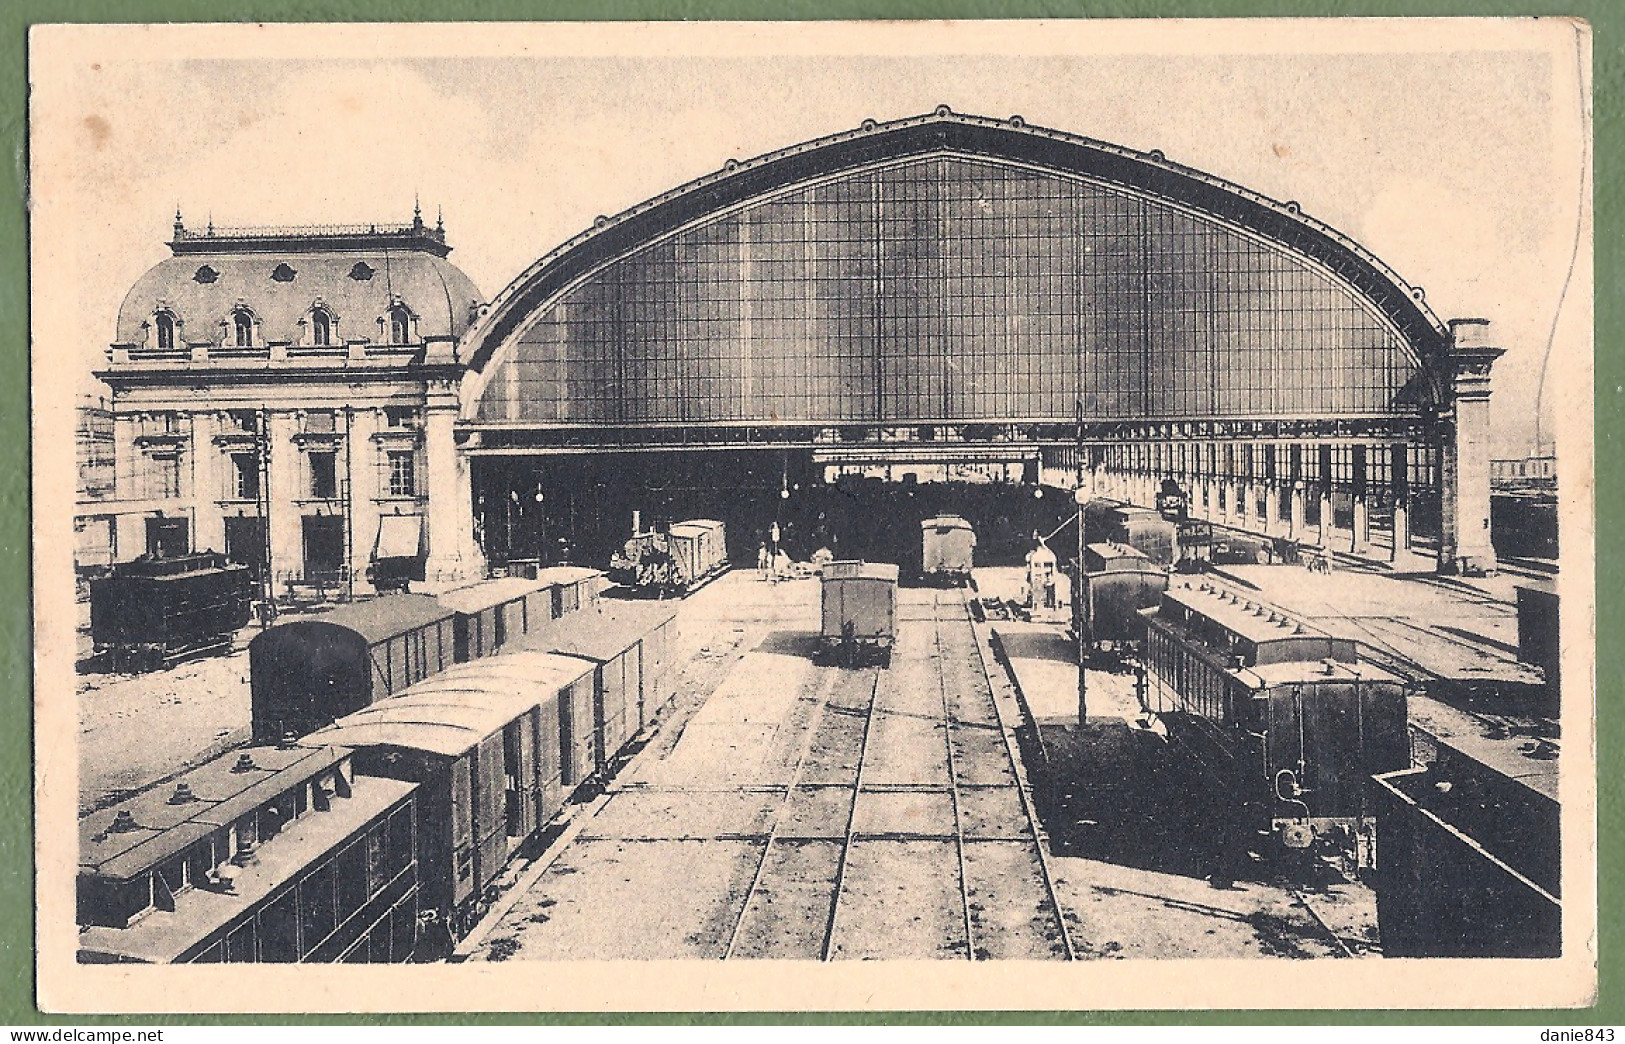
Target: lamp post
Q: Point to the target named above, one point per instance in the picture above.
(1078, 586)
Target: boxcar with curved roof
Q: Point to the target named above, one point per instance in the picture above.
(308, 672)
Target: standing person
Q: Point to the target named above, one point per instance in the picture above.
(762, 560)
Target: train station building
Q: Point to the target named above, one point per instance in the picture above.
(944, 296)
(287, 396)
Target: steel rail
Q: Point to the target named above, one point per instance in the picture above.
(826, 684)
(953, 776)
(1023, 788)
(851, 820)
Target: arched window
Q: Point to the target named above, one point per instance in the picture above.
(242, 324)
(321, 328)
(166, 331)
(400, 325)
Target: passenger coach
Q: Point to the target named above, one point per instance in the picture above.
(1284, 722)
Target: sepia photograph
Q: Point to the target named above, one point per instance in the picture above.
(754, 516)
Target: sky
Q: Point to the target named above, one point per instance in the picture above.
(1457, 160)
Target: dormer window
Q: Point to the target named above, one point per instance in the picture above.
(283, 273)
(400, 325)
(165, 324)
(361, 272)
(242, 325)
(321, 328)
(205, 274)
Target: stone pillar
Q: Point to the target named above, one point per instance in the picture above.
(1297, 506)
(450, 515)
(1464, 479)
(212, 479)
(1400, 485)
(1402, 530)
(128, 468)
(1360, 532)
(1272, 509)
(285, 526)
(1325, 517)
(361, 473)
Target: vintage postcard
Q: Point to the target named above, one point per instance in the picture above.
(1042, 515)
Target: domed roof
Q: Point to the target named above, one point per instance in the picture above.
(357, 273)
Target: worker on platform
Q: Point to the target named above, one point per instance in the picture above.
(763, 561)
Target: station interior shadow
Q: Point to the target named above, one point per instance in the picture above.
(804, 644)
(1118, 794)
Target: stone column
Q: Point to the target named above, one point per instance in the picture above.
(361, 472)
(212, 479)
(450, 514)
(1464, 539)
(1399, 481)
(285, 526)
(1360, 533)
(1272, 509)
(1402, 531)
(1325, 516)
(1297, 506)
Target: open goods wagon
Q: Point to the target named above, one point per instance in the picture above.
(947, 548)
(150, 612)
(859, 610)
(1284, 723)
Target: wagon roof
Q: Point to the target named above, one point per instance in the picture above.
(860, 571)
(487, 593)
(601, 635)
(1254, 621)
(164, 935)
(451, 712)
(945, 522)
(1292, 672)
(221, 795)
(1112, 549)
(696, 525)
(566, 574)
(378, 618)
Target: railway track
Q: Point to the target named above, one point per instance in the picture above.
(872, 822)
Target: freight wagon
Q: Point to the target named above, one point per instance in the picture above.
(148, 613)
(1283, 723)
(304, 674)
(483, 742)
(570, 589)
(1471, 852)
(947, 548)
(859, 610)
(1117, 583)
(487, 615)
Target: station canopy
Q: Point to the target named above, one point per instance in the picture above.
(950, 269)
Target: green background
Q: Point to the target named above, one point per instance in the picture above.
(16, 811)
